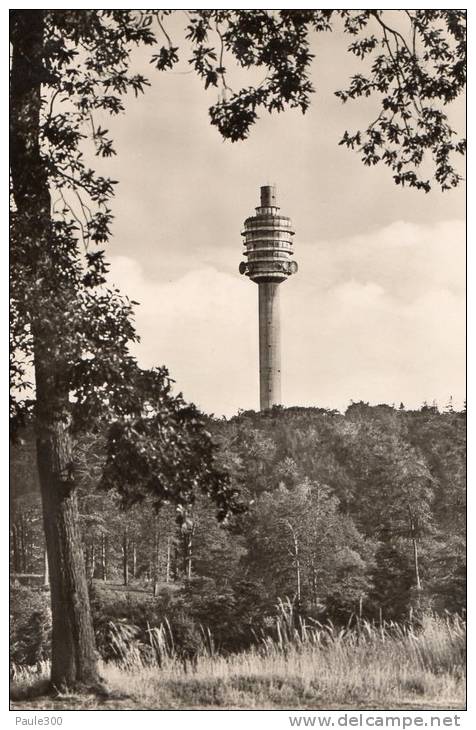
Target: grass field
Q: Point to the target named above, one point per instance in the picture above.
(324, 668)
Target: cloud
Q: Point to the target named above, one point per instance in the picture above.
(378, 317)
(203, 327)
(403, 258)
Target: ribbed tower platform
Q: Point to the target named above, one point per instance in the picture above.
(268, 248)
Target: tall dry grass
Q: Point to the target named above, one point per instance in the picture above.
(302, 665)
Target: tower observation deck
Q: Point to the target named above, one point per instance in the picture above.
(269, 250)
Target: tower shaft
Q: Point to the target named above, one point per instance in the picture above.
(269, 250)
(269, 345)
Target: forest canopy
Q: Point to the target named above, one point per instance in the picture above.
(337, 505)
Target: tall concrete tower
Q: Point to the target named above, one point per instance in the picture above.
(268, 248)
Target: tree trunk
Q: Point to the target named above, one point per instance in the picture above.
(92, 565)
(416, 567)
(189, 553)
(156, 556)
(416, 564)
(417, 572)
(46, 570)
(134, 560)
(74, 659)
(87, 558)
(31, 550)
(104, 557)
(177, 561)
(73, 646)
(297, 563)
(315, 597)
(298, 578)
(24, 563)
(125, 557)
(15, 548)
(167, 569)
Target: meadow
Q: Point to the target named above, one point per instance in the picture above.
(309, 666)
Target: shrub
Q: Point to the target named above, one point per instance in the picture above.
(30, 625)
(134, 609)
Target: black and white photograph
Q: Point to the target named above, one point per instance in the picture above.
(237, 298)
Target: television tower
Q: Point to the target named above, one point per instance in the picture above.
(268, 248)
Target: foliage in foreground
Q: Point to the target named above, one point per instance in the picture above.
(367, 666)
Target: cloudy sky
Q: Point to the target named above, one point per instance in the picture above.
(376, 311)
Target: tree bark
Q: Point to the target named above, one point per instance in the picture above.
(74, 658)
